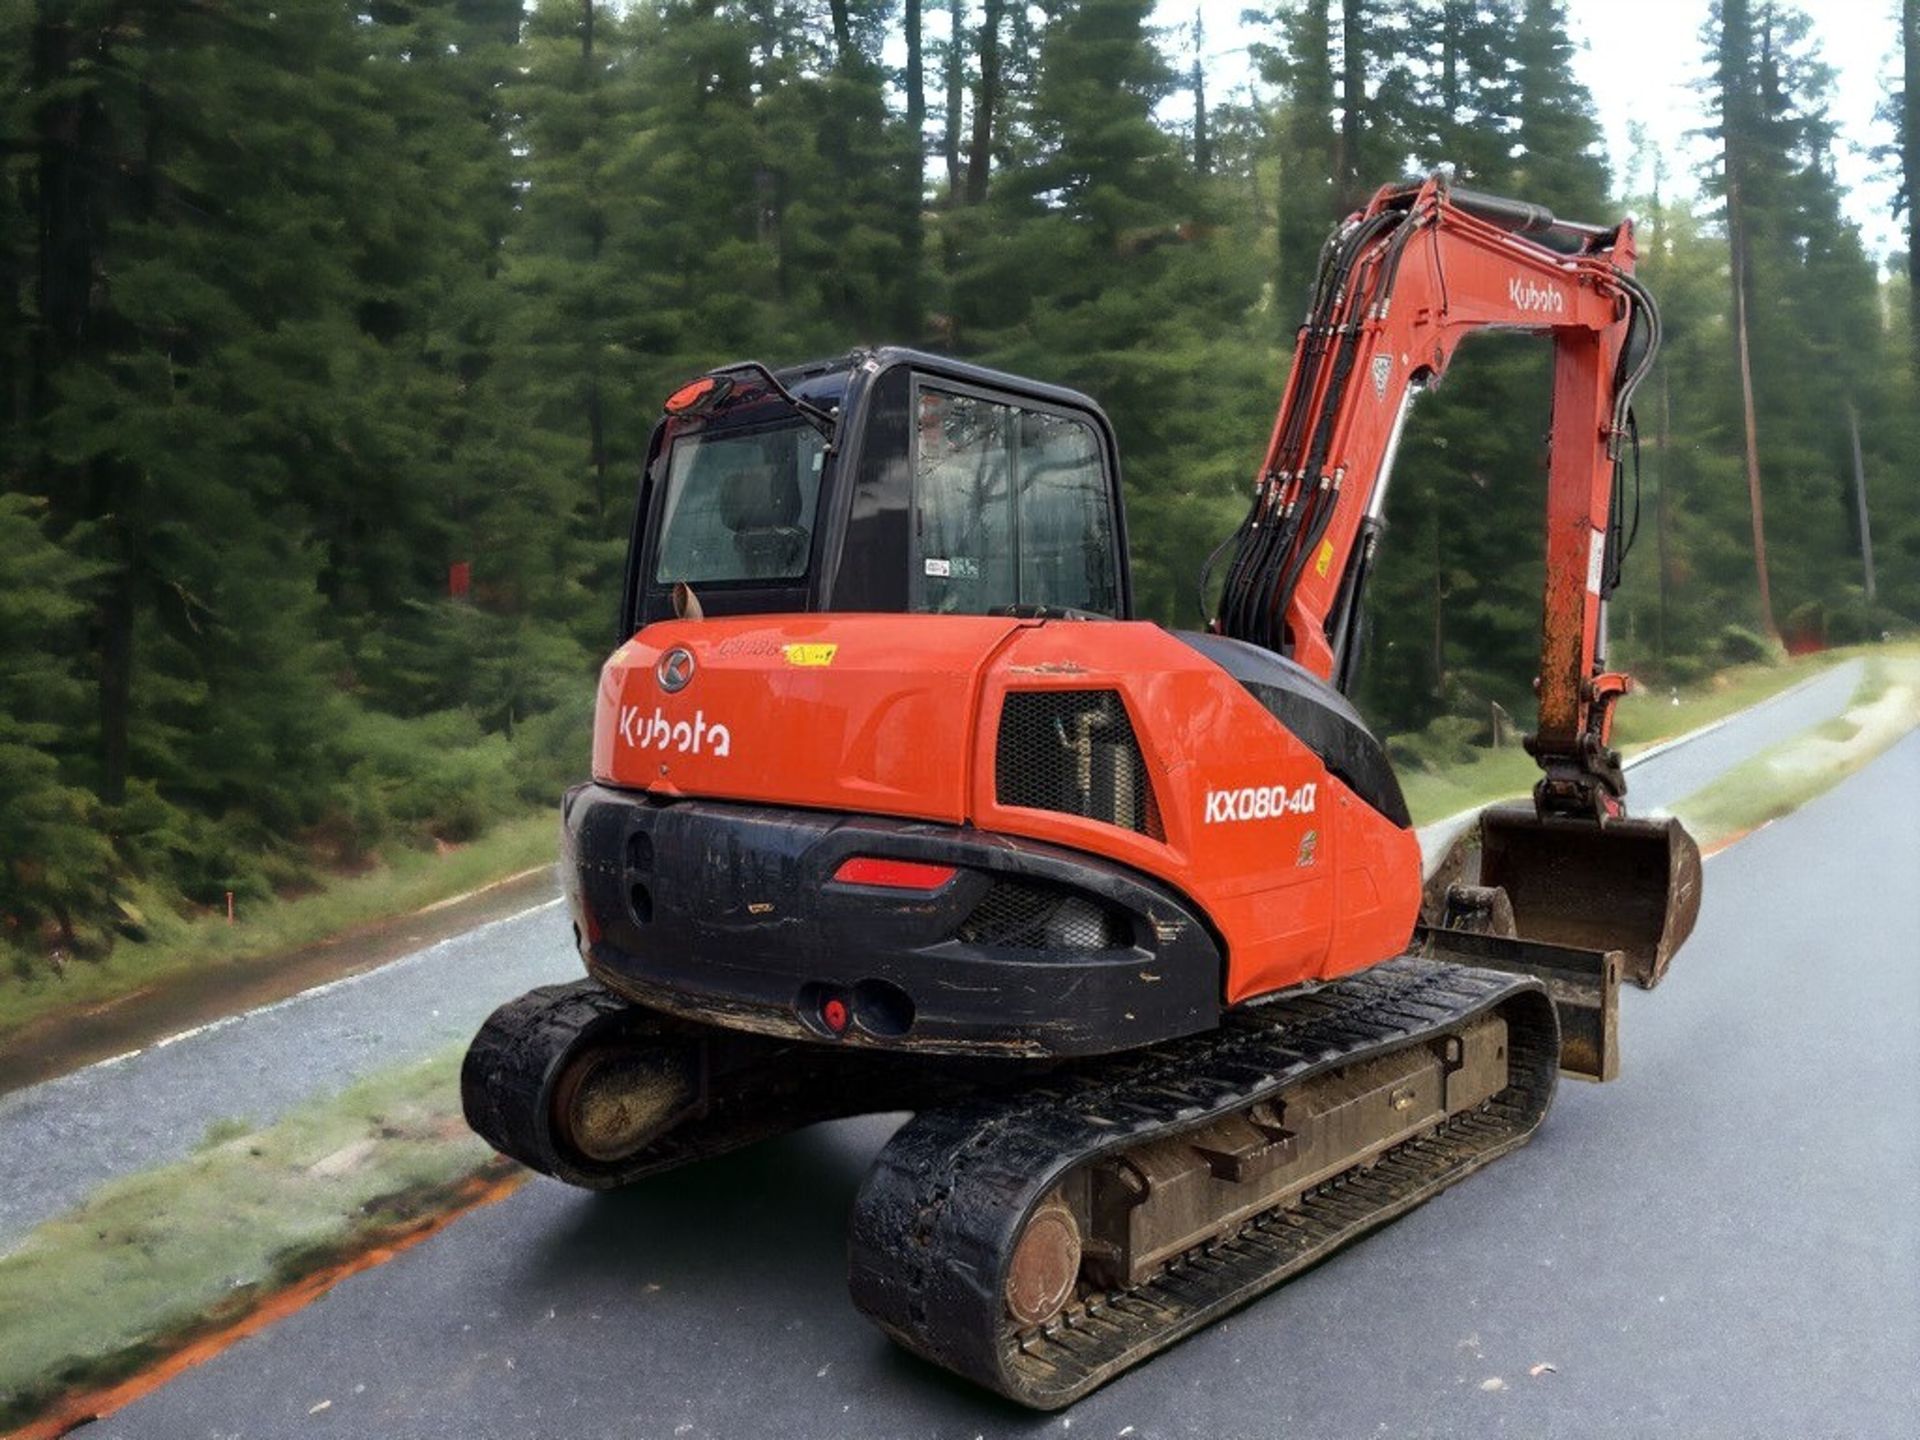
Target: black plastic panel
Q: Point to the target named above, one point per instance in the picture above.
(1318, 715)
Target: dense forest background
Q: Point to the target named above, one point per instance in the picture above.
(331, 334)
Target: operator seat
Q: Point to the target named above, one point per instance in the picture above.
(761, 506)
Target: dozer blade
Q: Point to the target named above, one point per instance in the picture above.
(1626, 885)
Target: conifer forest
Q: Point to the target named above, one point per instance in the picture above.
(332, 333)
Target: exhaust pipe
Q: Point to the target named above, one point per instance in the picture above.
(1626, 885)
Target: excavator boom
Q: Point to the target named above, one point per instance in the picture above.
(1400, 285)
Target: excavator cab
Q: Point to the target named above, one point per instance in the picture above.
(886, 481)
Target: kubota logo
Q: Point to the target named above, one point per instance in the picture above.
(674, 670)
(1526, 295)
(685, 737)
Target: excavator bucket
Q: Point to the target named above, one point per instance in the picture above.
(1626, 885)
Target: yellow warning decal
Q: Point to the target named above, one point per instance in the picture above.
(814, 655)
(1324, 560)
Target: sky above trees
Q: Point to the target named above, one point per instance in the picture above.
(1642, 61)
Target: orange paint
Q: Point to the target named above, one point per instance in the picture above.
(906, 722)
(77, 1410)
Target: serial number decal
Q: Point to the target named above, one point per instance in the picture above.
(1259, 802)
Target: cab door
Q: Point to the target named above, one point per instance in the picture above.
(1012, 506)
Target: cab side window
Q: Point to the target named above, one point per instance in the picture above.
(1011, 507)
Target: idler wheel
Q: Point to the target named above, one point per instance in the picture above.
(610, 1101)
(1045, 1264)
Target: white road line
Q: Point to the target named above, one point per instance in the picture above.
(1662, 747)
(1436, 835)
(176, 1038)
(326, 988)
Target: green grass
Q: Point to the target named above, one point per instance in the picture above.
(1780, 780)
(1490, 775)
(175, 947)
(1651, 716)
(1642, 720)
(152, 1261)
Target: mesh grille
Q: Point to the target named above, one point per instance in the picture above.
(1074, 751)
(1032, 917)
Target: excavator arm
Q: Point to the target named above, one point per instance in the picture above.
(1400, 285)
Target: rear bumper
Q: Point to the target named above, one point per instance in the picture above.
(729, 914)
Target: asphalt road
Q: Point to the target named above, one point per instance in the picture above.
(1722, 1243)
(1661, 778)
(66, 1136)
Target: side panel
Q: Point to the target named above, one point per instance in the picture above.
(1303, 879)
(1298, 876)
(862, 714)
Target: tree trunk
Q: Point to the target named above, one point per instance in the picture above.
(1353, 97)
(1309, 194)
(1439, 612)
(1736, 78)
(1910, 162)
(1664, 449)
(1860, 498)
(115, 621)
(597, 451)
(986, 98)
(916, 87)
(956, 98)
(842, 34)
(1202, 141)
(1737, 235)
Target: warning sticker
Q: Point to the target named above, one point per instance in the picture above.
(1324, 560)
(811, 655)
(1596, 561)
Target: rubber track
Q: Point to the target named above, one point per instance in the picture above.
(935, 1222)
(764, 1087)
(509, 1068)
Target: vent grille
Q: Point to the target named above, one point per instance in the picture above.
(1022, 916)
(1074, 751)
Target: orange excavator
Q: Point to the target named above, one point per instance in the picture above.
(896, 807)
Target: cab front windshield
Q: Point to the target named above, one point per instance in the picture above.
(740, 504)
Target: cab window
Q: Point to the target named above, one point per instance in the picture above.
(1011, 507)
(740, 505)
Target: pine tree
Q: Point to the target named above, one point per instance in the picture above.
(1309, 202)
(54, 858)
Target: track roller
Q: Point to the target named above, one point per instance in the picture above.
(576, 1083)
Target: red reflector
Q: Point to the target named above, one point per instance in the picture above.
(699, 395)
(690, 395)
(834, 1012)
(894, 874)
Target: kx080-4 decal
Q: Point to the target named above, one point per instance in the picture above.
(1259, 802)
